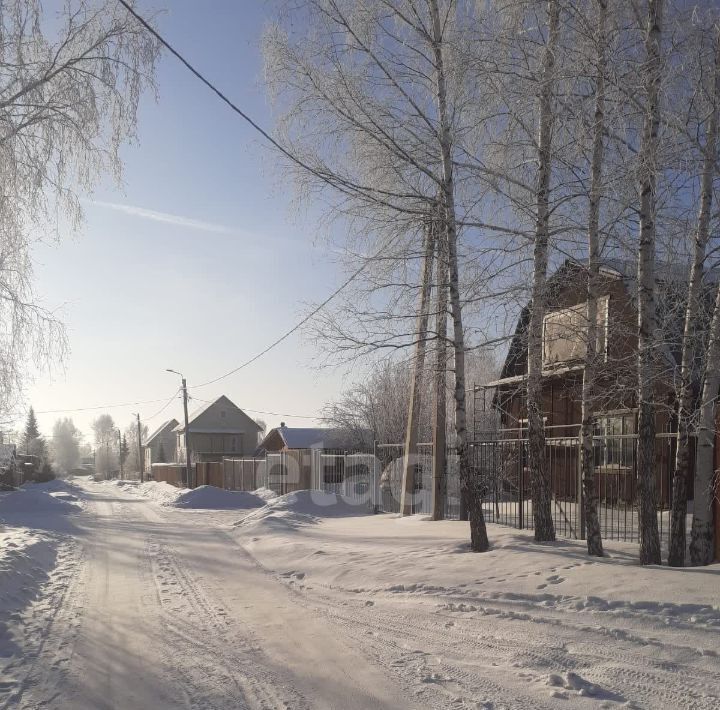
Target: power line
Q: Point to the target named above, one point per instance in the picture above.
(294, 159)
(221, 95)
(104, 406)
(296, 327)
(285, 152)
(262, 411)
(164, 407)
(344, 185)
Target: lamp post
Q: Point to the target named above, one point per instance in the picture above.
(188, 475)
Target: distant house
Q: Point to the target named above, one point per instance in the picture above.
(291, 452)
(285, 438)
(160, 445)
(220, 429)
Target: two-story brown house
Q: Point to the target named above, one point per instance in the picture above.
(564, 346)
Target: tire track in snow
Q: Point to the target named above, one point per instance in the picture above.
(205, 626)
(648, 681)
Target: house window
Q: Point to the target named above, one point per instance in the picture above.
(233, 443)
(222, 414)
(614, 440)
(565, 334)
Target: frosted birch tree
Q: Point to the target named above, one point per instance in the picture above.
(590, 496)
(65, 446)
(371, 95)
(71, 75)
(651, 73)
(709, 100)
(701, 534)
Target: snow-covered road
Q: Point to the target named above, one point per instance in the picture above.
(163, 612)
(150, 606)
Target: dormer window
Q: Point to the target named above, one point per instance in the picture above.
(565, 334)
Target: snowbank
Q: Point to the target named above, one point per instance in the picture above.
(160, 492)
(35, 565)
(302, 508)
(201, 498)
(25, 557)
(265, 493)
(34, 500)
(217, 499)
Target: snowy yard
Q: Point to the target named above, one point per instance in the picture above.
(127, 596)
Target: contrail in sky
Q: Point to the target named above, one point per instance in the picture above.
(168, 218)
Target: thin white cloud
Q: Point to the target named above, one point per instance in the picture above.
(168, 218)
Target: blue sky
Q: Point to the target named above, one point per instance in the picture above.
(198, 261)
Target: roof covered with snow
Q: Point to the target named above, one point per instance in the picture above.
(311, 438)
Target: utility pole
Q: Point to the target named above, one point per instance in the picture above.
(188, 475)
(120, 453)
(141, 462)
(439, 419)
(410, 459)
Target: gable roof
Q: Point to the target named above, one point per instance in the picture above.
(220, 401)
(308, 437)
(311, 438)
(671, 287)
(169, 425)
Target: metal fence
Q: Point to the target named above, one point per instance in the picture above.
(499, 466)
(502, 467)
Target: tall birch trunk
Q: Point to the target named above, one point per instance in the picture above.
(676, 553)
(411, 434)
(469, 486)
(648, 525)
(439, 490)
(587, 466)
(701, 534)
(540, 486)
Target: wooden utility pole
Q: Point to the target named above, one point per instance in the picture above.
(188, 475)
(188, 453)
(439, 468)
(411, 436)
(120, 453)
(141, 462)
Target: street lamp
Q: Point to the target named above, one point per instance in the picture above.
(188, 478)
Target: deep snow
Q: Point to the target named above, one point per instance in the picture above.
(131, 600)
(53, 496)
(201, 498)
